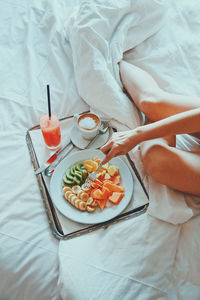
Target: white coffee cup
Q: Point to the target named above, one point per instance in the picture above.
(88, 124)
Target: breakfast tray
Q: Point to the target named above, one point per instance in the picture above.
(62, 227)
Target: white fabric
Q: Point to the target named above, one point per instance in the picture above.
(32, 51)
(99, 33)
(136, 259)
(141, 258)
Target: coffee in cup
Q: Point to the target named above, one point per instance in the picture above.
(88, 124)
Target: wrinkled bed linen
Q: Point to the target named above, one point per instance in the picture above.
(143, 258)
(35, 51)
(99, 33)
(32, 50)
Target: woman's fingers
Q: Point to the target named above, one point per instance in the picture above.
(119, 144)
(105, 148)
(110, 154)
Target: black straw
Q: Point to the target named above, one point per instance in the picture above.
(49, 102)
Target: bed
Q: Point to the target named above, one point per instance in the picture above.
(74, 46)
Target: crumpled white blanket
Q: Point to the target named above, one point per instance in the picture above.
(99, 33)
(142, 258)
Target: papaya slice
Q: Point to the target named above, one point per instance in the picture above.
(114, 187)
(97, 194)
(107, 180)
(102, 203)
(106, 192)
(116, 179)
(95, 185)
(98, 181)
(116, 197)
(93, 191)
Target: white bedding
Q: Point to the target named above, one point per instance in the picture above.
(142, 258)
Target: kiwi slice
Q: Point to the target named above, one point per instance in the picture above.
(79, 167)
(73, 169)
(77, 180)
(67, 181)
(69, 175)
(78, 175)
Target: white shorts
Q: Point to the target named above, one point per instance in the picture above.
(187, 142)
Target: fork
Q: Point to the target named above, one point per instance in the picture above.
(92, 176)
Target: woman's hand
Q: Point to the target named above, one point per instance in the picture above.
(119, 144)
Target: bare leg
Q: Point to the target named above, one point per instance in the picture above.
(147, 94)
(175, 168)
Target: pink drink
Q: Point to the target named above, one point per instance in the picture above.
(51, 131)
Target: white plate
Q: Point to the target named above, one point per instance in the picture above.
(83, 216)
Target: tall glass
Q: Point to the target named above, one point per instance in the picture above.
(51, 131)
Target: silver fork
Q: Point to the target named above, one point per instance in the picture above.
(92, 176)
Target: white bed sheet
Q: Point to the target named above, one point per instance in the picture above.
(34, 52)
(143, 258)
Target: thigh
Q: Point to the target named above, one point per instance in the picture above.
(154, 102)
(173, 167)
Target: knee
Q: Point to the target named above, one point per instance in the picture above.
(151, 101)
(154, 158)
(150, 105)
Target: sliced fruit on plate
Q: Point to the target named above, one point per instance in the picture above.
(105, 167)
(88, 167)
(112, 170)
(98, 160)
(97, 194)
(65, 189)
(84, 196)
(113, 187)
(106, 192)
(76, 189)
(116, 179)
(107, 176)
(116, 197)
(97, 183)
(86, 188)
(102, 203)
(91, 163)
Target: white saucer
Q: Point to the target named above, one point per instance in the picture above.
(81, 143)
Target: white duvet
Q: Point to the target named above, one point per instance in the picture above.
(144, 257)
(136, 259)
